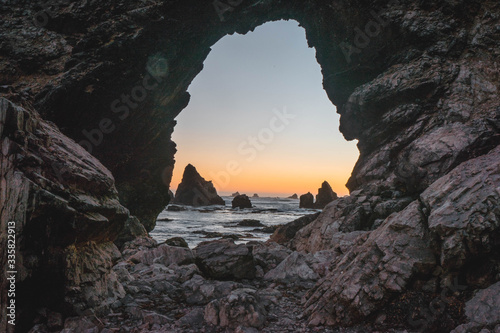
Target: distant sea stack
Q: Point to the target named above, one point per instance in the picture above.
(194, 190)
(325, 196)
(306, 200)
(293, 196)
(235, 194)
(241, 201)
(255, 195)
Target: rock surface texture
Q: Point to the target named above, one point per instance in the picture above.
(416, 83)
(194, 190)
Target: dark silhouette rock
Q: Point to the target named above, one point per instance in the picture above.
(250, 223)
(194, 190)
(306, 200)
(235, 194)
(255, 195)
(175, 208)
(325, 196)
(177, 241)
(293, 196)
(241, 201)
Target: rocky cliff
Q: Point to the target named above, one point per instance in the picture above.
(416, 83)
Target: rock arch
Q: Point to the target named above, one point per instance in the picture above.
(415, 82)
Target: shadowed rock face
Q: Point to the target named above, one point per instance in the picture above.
(416, 83)
(325, 196)
(194, 190)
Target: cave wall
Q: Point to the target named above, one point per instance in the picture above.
(415, 82)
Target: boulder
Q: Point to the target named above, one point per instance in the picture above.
(224, 260)
(325, 196)
(240, 307)
(306, 200)
(241, 201)
(177, 241)
(194, 190)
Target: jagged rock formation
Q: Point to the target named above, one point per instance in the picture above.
(66, 213)
(306, 200)
(325, 196)
(194, 190)
(293, 196)
(416, 83)
(241, 201)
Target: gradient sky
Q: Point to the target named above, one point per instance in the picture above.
(246, 81)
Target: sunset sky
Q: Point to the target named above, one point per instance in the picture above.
(259, 120)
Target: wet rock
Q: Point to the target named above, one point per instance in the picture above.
(177, 241)
(174, 208)
(194, 190)
(240, 307)
(241, 201)
(225, 260)
(285, 233)
(306, 200)
(250, 223)
(325, 196)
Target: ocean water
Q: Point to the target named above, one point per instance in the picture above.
(194, 223)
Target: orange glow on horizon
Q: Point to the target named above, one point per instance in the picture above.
(266, 182)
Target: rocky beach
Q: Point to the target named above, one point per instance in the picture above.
(89, 94)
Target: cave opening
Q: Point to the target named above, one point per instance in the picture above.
(258, 123)
(259, 120)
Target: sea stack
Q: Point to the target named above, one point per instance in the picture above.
(307, 200)
(235, 194)
(293, 196)
(241, 201)
(194, 190)
(325, 196)
(255, 195)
